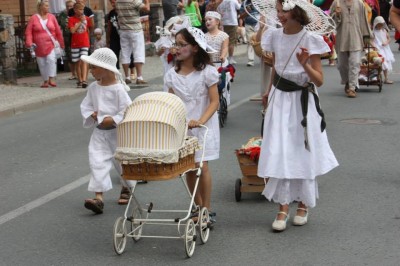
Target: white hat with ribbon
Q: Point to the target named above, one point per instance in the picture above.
(320, 23)
(201, 40)
(105, 58)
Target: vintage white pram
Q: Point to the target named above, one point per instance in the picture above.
(153, 146)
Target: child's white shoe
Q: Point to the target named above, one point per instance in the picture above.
(300, 220)
(280, 225)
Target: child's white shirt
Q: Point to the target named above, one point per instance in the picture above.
(106, 101)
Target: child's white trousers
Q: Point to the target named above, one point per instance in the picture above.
(102, 147)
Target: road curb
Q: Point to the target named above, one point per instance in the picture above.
(29, 106)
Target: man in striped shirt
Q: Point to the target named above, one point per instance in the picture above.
(131, 35)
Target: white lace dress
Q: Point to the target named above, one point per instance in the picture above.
(292, 169)
(385, 51)
(193, 90)
(215, 41)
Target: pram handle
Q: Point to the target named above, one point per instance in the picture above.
(218, 62)
(203, 150)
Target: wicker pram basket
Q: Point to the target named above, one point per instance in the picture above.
(152, 143)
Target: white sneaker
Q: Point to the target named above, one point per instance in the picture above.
(232, 61)
(250, 63)
(280, 225)
(301, 220)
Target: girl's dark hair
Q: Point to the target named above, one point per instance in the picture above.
(201, 59)
(299, 15)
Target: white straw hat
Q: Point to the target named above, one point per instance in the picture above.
(105, 58)
(200, 38)
(213, 14)
(320, 23)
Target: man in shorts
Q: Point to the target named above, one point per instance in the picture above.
(131, 35)
(228, 10)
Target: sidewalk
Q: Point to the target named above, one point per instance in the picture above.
(27, 94)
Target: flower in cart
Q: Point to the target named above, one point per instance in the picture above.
(252, 148)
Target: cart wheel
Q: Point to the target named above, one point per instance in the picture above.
(136, 214)
(203, 225)
(238, 194)
(190, 238)
(119, 235)
(222, 111)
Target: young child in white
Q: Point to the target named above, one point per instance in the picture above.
(216, 38)
(382, 43)
(295, 148)
(99, 42)
(164, 45)
(194, 80)
(103, 108)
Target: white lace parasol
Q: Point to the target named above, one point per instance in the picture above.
(320, 23)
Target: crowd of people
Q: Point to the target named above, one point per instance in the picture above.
(295, 148)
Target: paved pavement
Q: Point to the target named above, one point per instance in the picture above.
(27, 94)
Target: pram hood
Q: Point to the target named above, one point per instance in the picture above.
(154, 129)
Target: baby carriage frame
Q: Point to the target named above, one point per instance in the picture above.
(137, 216)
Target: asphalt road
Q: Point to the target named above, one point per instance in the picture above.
(44, 170)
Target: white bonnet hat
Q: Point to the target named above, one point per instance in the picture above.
(105, 58)
(213, 14)
(380, 20)
(98, 30)
(200, 38)
(172, 21)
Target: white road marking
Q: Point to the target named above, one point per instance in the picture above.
(239, 103)
(77, 183)
(46, 198)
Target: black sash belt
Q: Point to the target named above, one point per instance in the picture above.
(290, 86)
(105, 128)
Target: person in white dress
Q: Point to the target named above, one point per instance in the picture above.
(216, 38)
(382, 42)
(103, 108)
(194, 80)
(164, 45)
(295, 147)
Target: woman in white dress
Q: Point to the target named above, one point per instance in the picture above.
(216, 38)
(295, 147)
(382, 43)
(194, 80)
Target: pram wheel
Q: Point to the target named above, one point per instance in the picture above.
(136, 227)
(119, 235)
(238, 193)
(203, 225)
(190, 238)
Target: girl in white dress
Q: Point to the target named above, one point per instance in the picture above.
(216, 38)
(195, 80)
(164, 44)
(295, 147)
(382, 43)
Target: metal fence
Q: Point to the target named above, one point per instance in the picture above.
(26, 65)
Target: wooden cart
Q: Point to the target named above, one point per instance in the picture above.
(378, 81)
(249, 182)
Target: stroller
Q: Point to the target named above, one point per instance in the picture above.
(226, 75)
(153, 146)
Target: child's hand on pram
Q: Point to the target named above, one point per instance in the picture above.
(194, 124)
